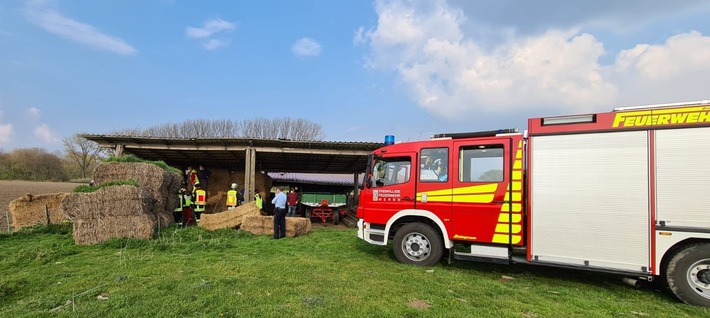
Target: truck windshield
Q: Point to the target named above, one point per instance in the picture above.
(389, 171)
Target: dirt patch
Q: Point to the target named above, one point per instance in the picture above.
(419, 304)
(10, 190)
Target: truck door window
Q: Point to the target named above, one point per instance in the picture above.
(434, 165)
(482, 163)
(389, 171)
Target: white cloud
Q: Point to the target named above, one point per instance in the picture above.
(211, 27)
(306, 47)
(34, 112)
(449, 72)
(213, 44)
(38, 13)
(206, 32)
(46, 134)
(6, 131)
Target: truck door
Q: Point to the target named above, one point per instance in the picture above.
(434, 181)
(390, 187)
(485, 207)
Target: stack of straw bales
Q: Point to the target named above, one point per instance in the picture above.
(32, 209)
(162, 185)
(111, 212)
(264, 225)
(228, 219)
(221, 180)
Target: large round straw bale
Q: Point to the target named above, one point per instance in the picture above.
(32, 209)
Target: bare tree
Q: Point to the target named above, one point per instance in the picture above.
(83, 153)
(33, 164)
(276, 128)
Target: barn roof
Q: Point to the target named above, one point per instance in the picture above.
(272, 155)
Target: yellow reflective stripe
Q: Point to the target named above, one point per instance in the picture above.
(517, 185)
(505, 228)
(505, 207)
(519, 154)
(518, 165)
(517, 175)
(516, 196)
(504, 238)
(505, 217)
(484, 188)
(474, 198)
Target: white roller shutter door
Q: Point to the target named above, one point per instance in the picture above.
(590, 201)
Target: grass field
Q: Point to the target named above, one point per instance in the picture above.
(327, 273)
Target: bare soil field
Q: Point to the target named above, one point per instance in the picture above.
(10, 190)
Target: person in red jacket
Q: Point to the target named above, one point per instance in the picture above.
(292, 200)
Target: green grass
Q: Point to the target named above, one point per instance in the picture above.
(327, 273)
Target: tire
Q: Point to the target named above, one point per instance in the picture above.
(336, 217)
(688, 274)
(418, 244)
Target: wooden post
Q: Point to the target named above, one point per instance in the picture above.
(46, 212)
(249, 174)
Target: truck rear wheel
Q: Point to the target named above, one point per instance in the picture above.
(688, 274)
(418, 244)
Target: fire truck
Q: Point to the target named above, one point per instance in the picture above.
(624, 192)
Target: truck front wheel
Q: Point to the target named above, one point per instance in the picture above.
(688, 274)
(418, 244)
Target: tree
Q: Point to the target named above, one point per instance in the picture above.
(492, 175)
(32, 164)
(82, 153)
(275, 128)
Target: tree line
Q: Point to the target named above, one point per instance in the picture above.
(80, 155)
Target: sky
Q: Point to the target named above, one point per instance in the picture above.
(361, 69)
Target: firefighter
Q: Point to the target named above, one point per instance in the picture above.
(187, 215)
(259, 201)
(232, 201)
(177, 213)
(200, 201)
(192, 178)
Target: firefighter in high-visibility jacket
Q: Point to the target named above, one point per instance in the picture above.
(259, 201)
(177, 213)
(232, 201)
(200, 197)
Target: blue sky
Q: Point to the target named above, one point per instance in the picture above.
(361, 69)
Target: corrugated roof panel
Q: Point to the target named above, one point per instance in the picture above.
(313, 178)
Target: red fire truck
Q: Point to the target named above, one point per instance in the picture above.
(624, 192)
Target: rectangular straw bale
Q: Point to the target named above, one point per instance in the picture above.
(264, 225)
(93, 231)
(30, 209)
(111, 212)
(161, 184)
(222, 179)
(227, 219)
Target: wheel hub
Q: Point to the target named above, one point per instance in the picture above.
(416, 246)
(699, 277)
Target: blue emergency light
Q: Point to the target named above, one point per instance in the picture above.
(389, 140)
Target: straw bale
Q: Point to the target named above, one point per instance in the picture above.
(88, 232)
(228, 219)
(222, 179)
(264, 225)
(30, 209)
(161, 184)
(111, 212)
